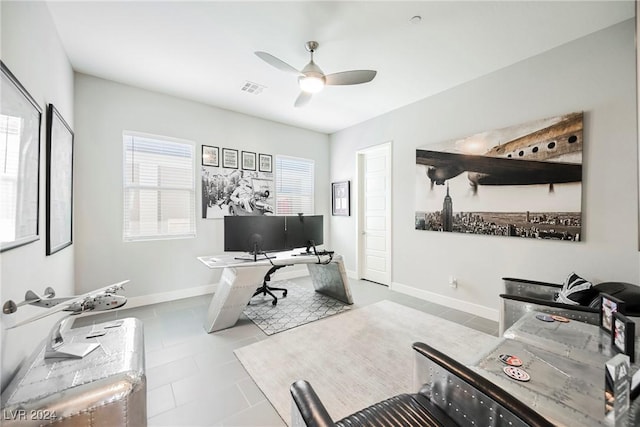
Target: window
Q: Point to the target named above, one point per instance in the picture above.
(159, 188)
(9, 177)
(294, 185)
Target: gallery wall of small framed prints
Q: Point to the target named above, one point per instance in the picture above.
(229, 158)
(266, 163)
(248, 161)
(210, 156)
(236, 182)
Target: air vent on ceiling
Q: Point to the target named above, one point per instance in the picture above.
(254, 88)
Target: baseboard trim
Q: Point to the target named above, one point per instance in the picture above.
(169, 296)
(352, 274)
(469, 307)
(143, 300)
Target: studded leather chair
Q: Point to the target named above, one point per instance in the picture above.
(454, 395)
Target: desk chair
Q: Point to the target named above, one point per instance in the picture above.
(265, 289)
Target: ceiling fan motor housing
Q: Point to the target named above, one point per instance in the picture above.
(311, 69)
(311, 46)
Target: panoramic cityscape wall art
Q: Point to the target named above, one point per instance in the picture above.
(520, 181)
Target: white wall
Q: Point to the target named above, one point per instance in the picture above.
(32, 51)
(595, 74)
(103, 110)
(638, 115)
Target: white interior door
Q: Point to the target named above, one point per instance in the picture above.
(374, 218)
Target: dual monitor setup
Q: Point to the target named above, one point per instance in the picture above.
(269, 233)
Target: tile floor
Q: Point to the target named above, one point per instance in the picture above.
(194, 379)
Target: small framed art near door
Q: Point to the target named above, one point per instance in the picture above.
(341, 198)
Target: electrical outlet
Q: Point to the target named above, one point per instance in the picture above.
(453, 282)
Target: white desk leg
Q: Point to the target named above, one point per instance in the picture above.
(234, 291)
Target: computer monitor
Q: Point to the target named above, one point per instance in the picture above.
(254, 234)
(304, 231)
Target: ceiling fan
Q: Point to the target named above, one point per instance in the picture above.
(311, 78)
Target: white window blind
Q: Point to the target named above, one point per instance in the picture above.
(294, 185)
(159, 188)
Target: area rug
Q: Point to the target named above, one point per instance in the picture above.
(357, 358)
(301, 305)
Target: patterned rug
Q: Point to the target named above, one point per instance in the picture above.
(302, 305)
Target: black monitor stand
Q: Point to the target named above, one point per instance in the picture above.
(315, 251)
(255, 255)
(310, 244)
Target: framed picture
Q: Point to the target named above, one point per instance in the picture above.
(447, 208)
(59, 182)
(229, 158)
(210, 156)
(608, 306)
(341, 198)
(20, 118)
(623, 335)
(248, 160)
(265, 163)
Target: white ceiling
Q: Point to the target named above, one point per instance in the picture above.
(203, 50)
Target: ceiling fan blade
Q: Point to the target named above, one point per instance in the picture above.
(277, 63)
(303, 99)
(353, 77)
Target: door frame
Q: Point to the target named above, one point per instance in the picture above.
(359, 206)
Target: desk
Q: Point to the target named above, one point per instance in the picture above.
(580, 341)
(240, 279)
(566, 364)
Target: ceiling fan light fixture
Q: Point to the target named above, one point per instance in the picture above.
(311, 79)
(311, 84)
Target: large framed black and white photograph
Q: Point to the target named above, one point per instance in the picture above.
(210, 156)
(236, 192)
(20, 119)
(59, 182)
(520, 181)
(340, 198)
(229, 158)
(623, 333)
